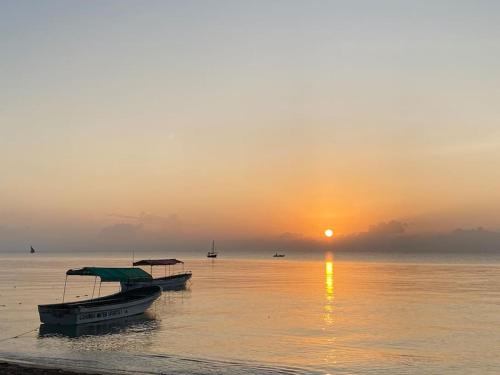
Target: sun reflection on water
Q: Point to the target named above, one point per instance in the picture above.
(329, 289)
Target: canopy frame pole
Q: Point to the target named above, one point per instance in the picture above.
(64, 290)
(100, 283)
(93, 290)
(166, 270)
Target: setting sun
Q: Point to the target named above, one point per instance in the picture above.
(328, 232)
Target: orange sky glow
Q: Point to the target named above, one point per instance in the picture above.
(174, 129)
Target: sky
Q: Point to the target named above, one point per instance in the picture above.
(162, 122)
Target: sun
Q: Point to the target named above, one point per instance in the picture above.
(328, 233)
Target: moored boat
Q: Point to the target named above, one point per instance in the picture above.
(171, 281)
(212, 253)
(118, 305)
(277, 255)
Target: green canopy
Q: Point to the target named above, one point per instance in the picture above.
(112, 274)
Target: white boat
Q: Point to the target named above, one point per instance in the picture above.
(118, 305)
(172, 281)
(212, 253)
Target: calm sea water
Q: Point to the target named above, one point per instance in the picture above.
(267, 316)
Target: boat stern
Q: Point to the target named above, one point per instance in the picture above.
(56, 315)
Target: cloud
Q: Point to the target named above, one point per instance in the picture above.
(144, 231)
(165, 224)
(288, 236)
(390, 227)
(148, 231)
(121, 230)
(153, 223)
(120, 216)
(391, 237)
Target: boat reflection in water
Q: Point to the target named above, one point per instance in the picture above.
(142, 322)
(178, 288)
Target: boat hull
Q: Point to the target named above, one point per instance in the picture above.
(172, 282)
(115, 306)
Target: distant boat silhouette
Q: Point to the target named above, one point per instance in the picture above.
(276, 255)
(32, 251)
(212, 253)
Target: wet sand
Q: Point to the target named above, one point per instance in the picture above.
(15, 369)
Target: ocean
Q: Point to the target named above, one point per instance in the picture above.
(330, 315)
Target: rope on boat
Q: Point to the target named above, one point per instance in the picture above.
(19, 335)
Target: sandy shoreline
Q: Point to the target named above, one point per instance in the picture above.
(9, 368)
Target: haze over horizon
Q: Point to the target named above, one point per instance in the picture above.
(254, 123)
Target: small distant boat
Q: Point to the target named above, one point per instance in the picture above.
(212, 253)
(168, 282)
(118, 305)
(277, 255)
(32, 251)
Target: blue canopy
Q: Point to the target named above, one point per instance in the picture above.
(112, 274)
(157, 262)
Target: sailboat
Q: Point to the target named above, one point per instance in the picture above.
(278, 255)
(212, 253)
(32, 251)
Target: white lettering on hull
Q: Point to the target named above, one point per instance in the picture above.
(100, 315)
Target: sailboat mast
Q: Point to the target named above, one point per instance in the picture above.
(212, 253)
